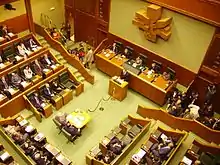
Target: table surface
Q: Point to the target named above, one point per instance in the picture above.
(122, 85)
(118, 60)
(63, 160)
(107, 54)
(53, 150)
(78, 118)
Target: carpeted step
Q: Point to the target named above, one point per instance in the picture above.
(63, 61)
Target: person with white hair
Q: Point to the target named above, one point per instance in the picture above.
(89, 58)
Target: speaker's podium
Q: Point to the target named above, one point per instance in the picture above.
(117, 88)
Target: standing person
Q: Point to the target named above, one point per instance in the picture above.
(211, 91)
(89, 58)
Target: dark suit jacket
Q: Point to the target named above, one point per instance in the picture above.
(36, 101)
(124, 76)
(37, 69)
(47, 92)
(44, 62)
(156, 69)
(72, 130)
(2, 85)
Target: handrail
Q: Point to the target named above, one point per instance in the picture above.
(100, 46)
(194, 126)
(70, 58)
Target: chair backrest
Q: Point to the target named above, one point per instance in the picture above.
(172, 73)
(119, 45)
(159, 64)
(8, 51)
(130, 50)
(64, 77)
(29, 95)
(207, 158)
(143, 58)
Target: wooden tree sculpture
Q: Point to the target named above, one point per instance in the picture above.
(152, 24)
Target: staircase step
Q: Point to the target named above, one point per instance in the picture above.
(46, 45)
(81, 79)
(39, 37)
(63, 61)
(77, 74)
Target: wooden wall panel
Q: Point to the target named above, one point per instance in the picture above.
(88, 6)
(85, 27)
(69, 3)
(17, 24)
(205, 10)
(184, 76)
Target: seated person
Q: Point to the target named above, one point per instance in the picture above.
(127, 53)
(138, 61)
(175, 109)
(39, 69)
(22, 50)
(109, 157)
(33, 45)
(17, 81)
(28, 148)
(5, 87)
(192, 112)
(207, 110)
(47, 61)
(114, 48)
(56, 87)
(28, 73)
(40, 159)
(166, 76)
(48, 93)
(61, 118)
(12, 129)
(116, 146)
(72, 130)
(155, 68)
(37, 102)
(4, 32)
(19, 138)
(124, 75)
(159, 151)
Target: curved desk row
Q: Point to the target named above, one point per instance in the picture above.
(156, 90)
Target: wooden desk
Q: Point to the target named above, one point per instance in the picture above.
(48, 110)
(67, 95)
(154, 91)
(116, 90)
(63, 160)
(58, 101)
(78, 119)
(107, 54)
(118, 60)
(7, 64)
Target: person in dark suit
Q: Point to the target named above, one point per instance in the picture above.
(19, 138)
(116, 146)
(40, 159)
(16, 80)
(72, 130)
(211, 91)
(155, 68)
(114, 48)
(48, 93)
(28, 148)
(4, 86)
(4, 32)
(56, 87)
(124, 75)
(38, 69)
(37, 102)
(160, 150)
(62, 119)
(47, 61)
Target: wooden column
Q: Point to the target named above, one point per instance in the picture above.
(29, 15)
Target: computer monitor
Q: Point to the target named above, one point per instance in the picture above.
(143, 58)
(172, 73)
(130, 50)
(118, 44)
(159, 64)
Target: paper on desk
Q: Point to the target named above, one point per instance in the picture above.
(139, 155)
(23, 122)
(24, 83)
(43, 104)
(5, 156)
(187, 161)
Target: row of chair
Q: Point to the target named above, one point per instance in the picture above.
(32, 144)
(118, 143)
(121, 49)
(159, 149)
(199, 153)
(10, 89)
(60, 90)
(11, 53)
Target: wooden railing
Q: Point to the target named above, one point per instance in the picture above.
(68, 57)
(194, 126)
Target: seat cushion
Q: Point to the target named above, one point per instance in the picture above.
(134, 130)
(126, 140)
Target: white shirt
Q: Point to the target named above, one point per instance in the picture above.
(28, 73)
